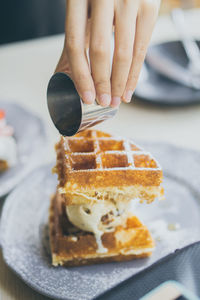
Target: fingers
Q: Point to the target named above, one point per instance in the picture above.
(125, 19)
(134, 22)
(146, 18)
(102, 13)
(63, 64)
(76, 25)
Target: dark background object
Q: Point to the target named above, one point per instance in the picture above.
(158, 89)
(181, 266)
(24, 19)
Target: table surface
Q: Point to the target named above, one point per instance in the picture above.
(25, 69)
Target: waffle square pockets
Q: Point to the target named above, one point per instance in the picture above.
(90, 219)
(95, 160)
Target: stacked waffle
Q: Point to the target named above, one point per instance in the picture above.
(90, 219)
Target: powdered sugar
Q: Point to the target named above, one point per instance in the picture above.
(23, 246)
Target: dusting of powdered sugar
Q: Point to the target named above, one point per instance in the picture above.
(25, 216)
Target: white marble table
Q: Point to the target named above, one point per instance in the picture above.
(25, 69)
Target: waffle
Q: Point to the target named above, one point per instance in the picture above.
(73, 247)
(94, 165)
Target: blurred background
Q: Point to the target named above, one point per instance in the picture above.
(168, 5)
(22, 20)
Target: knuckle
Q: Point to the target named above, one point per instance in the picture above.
(133, 79)
(81, 78)
(141, 52)
(72, 44)
(102, 84)
(150, 7)
(118, 88)
(98, 49)
(123, 54)
(126, 2)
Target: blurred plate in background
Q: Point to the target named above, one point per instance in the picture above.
(30, 137)
(158, 89)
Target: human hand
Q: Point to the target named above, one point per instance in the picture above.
(89, 25)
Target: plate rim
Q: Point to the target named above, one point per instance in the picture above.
(43, 139)
(23, 277)
(165, 102)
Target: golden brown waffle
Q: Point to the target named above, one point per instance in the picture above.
(73, 247)
(95, 165)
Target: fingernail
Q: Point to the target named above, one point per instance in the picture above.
(115, 101)
(88, 97)
(128, 96)
(104, 99)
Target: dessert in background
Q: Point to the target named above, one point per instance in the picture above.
(8, 148)
(90, 217)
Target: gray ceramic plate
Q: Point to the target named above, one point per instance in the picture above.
(24, 239)
(157, 89)
(30, 138)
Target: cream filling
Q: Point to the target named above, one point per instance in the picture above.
(8, 151)
(98, 218)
